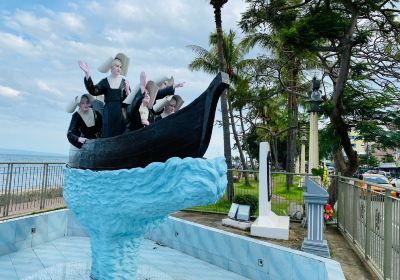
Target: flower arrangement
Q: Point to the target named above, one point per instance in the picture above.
(328, 212)
(325, 178)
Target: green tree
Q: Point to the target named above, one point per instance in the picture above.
(265, 24)
(234, 61)
(388, 158)
(368, 160)
(356, 43)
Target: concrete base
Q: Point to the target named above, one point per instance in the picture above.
(271, 226)
(236, 224)
(319, 248)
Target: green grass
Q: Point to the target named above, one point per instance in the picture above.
(280, 200)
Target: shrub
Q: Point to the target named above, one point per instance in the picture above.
(247, 199)
(318, 172)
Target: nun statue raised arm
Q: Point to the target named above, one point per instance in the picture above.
(167, 87)
(114, 88)
(139, 106)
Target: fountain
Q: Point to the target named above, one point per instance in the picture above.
(118, 207)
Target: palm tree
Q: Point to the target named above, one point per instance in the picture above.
(233, 56)
(217, 5)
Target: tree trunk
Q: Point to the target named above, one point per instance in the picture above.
(292, 119)
(224, 106)
(274, 150)
(340, 166)
(253, 167)
(341, 128)
(238, 144)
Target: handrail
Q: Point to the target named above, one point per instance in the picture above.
(273, 172)
(366, 182)
(370, 222)
(32, 162)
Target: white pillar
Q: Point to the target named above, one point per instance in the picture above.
(297, 165)
(268, 224)
(313, 151)
(264, 206)
(303, 158)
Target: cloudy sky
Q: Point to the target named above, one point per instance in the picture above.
(41, 42)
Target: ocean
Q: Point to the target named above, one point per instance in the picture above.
(26, 158)
(28, 169)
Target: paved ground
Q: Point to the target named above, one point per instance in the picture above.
(68, 258)
(353, 267)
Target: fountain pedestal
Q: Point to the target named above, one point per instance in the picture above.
(118, 207)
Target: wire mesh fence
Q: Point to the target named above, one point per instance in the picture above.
(287, 193)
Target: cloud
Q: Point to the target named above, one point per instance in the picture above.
(9, 92)
(27, 23)
(40, 47)
(71, 22)
(42, 85)
(46, 24)
(16, 44)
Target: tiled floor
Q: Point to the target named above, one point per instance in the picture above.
(47, 262)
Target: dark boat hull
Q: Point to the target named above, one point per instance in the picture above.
(185, 133)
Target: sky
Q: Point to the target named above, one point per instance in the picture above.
(41, 42)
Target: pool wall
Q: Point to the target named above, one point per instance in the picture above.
(24, 232)
(248, 257)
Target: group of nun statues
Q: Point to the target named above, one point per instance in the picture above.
(122, 109)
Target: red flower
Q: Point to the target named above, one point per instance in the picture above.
(328, 212)
(327, 207)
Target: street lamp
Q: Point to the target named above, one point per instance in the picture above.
(315, 96)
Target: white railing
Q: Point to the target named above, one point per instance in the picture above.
(370, 218)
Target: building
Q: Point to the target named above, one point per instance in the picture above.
(369, 148)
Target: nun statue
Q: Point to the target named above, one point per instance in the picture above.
(167, 106)
(85, 122)
(115, 89)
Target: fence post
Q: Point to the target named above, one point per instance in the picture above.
(44, 185)
(387, 241)
(368, 224)
(339, 199)
(355, 212)
(345, 206)
(8, 189)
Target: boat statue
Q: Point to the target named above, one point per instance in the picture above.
(119, 188)
(185, 133)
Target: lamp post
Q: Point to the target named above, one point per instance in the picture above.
(303, 140)
(315, 101)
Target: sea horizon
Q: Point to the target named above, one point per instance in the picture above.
(32, 158)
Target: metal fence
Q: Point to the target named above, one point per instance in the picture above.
(369, 217)
(30, 187)
(285, 200)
